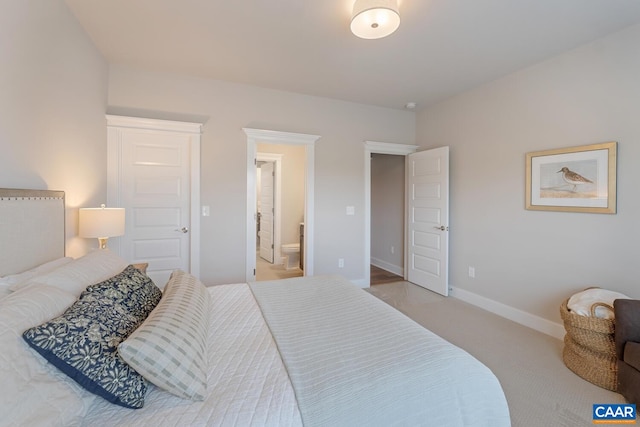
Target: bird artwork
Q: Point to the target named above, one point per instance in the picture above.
(573, 178)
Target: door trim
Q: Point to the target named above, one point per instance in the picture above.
(277, 202)
(373, 147)
(255, 136)
(114, 178)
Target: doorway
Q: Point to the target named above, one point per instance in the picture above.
(280, 177)
(260, 136)
(387, 218)
(372, 147)
(427, 217)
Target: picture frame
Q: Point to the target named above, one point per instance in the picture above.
(575, 179)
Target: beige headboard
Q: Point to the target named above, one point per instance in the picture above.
(31, 228)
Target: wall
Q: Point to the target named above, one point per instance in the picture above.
(387, 212)
(54, 90)
(531, 260)
(227, 108)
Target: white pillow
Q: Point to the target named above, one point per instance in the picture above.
(74, 277)
(15, 280)
(169, 349)
(581, 302)
(32, 391)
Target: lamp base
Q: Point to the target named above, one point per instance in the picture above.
(102, 242)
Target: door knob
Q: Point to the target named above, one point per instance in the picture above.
(183, 230)
(441, 228)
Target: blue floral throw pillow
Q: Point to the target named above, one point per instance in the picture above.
(83, 341)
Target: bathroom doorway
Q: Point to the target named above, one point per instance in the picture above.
(268, 137)
(280, 202)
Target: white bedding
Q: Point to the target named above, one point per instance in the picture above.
(312, 351)
(247, 384)
(354, 360)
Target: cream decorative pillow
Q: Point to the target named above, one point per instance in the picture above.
(169, 348)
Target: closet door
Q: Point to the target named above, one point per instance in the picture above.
(154, 182)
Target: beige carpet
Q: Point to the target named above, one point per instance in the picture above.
(539, 388)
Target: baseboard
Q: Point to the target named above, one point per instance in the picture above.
(360, 283)
(537, 323)
(387, 266)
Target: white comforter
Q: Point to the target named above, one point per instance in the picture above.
(249, 384)
(354, 360)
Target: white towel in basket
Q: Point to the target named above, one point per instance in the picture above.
(582, 302)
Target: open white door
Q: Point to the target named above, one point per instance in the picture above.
(428, 219)
(267, 179)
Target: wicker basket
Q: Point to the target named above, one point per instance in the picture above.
(589, 347)
(597, 368)
(591, 332)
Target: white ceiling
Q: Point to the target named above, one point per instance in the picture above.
(443, 47)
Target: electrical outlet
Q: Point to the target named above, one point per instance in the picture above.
(472, 272)
(340, 262)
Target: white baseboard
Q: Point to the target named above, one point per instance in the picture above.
(387, 266)
(360, 283)
(537, 323)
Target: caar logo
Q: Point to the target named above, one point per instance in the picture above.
(604, 413)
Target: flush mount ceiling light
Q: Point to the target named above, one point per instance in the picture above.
(374, 19)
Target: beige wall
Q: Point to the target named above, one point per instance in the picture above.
(532, 260)
(54, 90)
(227, 108)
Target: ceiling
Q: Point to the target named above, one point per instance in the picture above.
(443, 47)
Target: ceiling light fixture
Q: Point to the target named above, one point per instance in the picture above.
(374, 19)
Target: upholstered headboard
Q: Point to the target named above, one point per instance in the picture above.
(31, 228)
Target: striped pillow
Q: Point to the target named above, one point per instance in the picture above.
(169, 348)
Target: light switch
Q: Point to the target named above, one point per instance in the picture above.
(206, 211)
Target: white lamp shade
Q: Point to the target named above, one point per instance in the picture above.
(101, 222)
(374, 19)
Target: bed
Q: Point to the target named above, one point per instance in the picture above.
(313, 351)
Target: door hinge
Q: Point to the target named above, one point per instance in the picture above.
(272, 246)
(254, 271)
(255, 162)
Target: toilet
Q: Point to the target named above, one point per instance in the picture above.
(291, 255)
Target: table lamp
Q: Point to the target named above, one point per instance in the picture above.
(101, 223)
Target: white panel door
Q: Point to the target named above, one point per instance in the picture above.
(428, 219)
(267, 179)
(156, 195)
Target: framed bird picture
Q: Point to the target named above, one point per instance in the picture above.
(575, 179)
